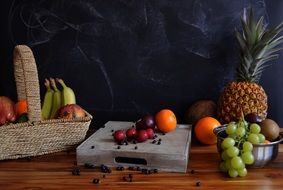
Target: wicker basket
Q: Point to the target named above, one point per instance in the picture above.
(36, 137)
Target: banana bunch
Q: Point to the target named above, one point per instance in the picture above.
(54, 98)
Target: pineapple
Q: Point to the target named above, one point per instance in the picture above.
(257, 47)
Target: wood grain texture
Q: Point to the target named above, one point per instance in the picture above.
(54, 171)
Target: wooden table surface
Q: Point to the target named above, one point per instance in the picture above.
(54, 171)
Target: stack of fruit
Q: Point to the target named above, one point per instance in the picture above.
(11, 112)
(238, 145)
(144, 129)
(60, 104)
(246, 97)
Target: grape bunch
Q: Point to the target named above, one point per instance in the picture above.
(238, 145)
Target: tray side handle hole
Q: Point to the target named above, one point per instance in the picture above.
(128, 160)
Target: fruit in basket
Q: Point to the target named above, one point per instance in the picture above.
(71, 111)
(270, 129)
(200, 109)
(57, 99)
(7, 112)
(21, 107)
(147, 121)
(257, 47)
(204, 130)
(68, 95)
(166, 120)
(47, 102)
(22, 118)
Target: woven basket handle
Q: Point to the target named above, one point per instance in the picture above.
(26, 76)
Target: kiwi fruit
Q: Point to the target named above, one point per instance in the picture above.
(269, 129)
(200, 109)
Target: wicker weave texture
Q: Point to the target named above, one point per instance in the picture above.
(36, 137)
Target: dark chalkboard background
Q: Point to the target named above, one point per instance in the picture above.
(127, 57)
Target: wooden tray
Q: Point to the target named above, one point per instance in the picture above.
(171, 155)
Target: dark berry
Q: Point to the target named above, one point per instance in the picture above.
(198, 183)
(95, 181)
(76, 171)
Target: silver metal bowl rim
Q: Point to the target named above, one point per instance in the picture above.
(221, 128)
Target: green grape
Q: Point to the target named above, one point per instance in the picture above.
(227, 142)
(254, 128)
(224, 155)
(228, 163)
(253, 138)
(231, 128)
(237, 162)
(247, 146)
(232, 172)
(242, 172)
(261, 138)
(248, 158)
(242, 123)
(222, 167)
(240, 131)
(233, 136)
(232, 151)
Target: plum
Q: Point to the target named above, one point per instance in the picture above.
(147, 121)
(119, 136)
(131, 133)
(150, 133)
(142, 135)
(253, 118)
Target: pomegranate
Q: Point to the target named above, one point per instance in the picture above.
(7, 112)
(71, 111)
(131, 133)
(119, 136)
(142, 135)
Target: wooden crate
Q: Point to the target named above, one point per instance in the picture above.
(171, 155)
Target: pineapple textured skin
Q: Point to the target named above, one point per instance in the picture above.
(241, 97)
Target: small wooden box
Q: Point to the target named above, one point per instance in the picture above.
(171, 155)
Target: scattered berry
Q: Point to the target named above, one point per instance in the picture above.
(95, 181)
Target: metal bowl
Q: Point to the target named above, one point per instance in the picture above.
(263, 153)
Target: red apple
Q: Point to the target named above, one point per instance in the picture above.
(131, 133)
(7, 111)
(119, 136)
(71, 111)
(142, 135)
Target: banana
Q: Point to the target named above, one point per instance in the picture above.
(57, 99)
(47, 102)
(68, 94)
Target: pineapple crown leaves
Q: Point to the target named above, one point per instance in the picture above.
(257, 47)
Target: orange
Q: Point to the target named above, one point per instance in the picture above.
(204, 130)
(21, 107)
(165, 120)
